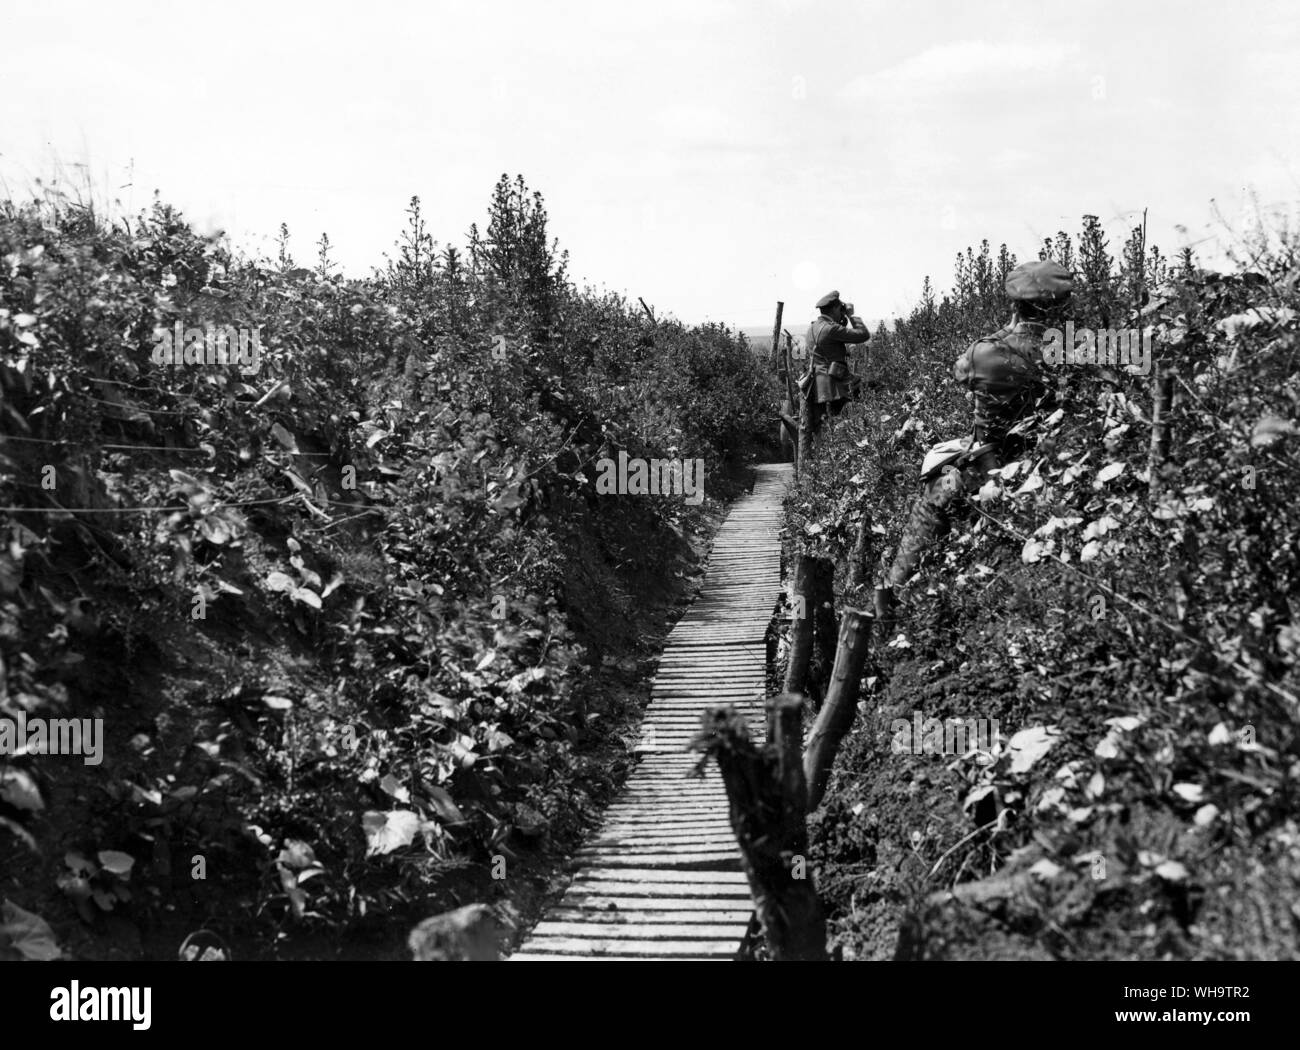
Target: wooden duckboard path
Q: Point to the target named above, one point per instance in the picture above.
(662, 878)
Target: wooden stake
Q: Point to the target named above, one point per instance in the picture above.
(774, 354)
(801, 632)
(789, 411)
(791, 384)
(862, 548)
(824, 631)
(806, 403)
(812, 631)
(836, 716)
(766, 794)
(786, 365)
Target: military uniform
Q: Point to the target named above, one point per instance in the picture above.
(1003, 372)
(827, 344)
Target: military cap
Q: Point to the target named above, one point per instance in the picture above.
(827, 299)
(1041, 281)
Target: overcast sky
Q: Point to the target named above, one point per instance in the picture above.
(712, 156)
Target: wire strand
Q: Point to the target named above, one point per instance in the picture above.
(158, 508)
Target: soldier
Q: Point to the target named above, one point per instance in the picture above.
(827, 344)
(1003, 372)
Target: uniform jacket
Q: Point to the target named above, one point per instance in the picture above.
(827, 343)
(1004, 372)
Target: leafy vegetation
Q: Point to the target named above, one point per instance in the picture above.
(1134, 638)
(350, 617)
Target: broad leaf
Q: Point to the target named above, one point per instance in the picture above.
(386, 832)
(26, 934)
(120, 864)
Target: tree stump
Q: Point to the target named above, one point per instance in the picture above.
(767, 793)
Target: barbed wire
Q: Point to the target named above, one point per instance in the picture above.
(161, 508)
(139, 448)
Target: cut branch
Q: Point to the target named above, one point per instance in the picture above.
(836, 716)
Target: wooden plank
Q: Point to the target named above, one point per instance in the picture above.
(649, 914)
(646, 797)
(720, 837)
(641, 812)
(720, 847)
(719, 855)
(644, 931)
(547, 958)
(663, 827)
(661, 891)
(596, 873)
(604, 946)
(666, 823)
(611, 905)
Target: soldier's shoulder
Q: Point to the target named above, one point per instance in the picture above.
(988, 343)
(996, 338)
(968, 360)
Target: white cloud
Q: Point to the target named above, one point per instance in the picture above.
(700, 124)
(1010, 159)
(940, 68)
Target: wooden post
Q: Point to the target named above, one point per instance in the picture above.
(1162, 395)
(824, 631)
(812, 630)
(862, 549)
(648, 312)
(774, 354)
(801, 626)
(841, 705)
(786, 366)
(805, 426)
(789, 410)
(766, 793)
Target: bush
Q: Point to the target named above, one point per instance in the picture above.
(1151, 637)
(371, 544)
